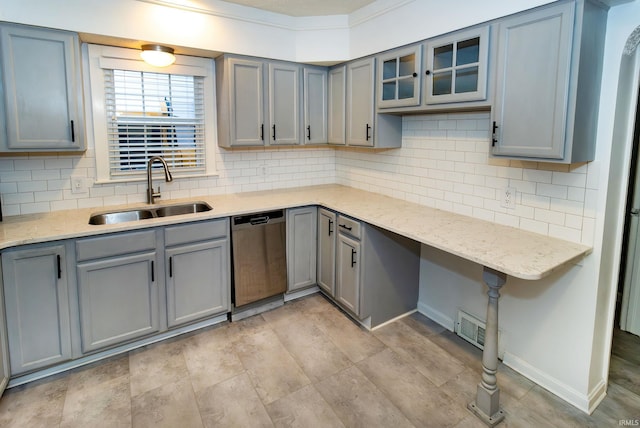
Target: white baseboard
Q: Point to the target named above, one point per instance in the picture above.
(301, 293)
(584, 402)
(437, 316)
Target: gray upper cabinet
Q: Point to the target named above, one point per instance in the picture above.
(284, 103)
(197, 266)
(327, 251)
(315, 105)
(117, 288)
(548, 83)
(37, 307)
(456, 67)
(240, 101)
(259, 102)
(360, 102)
(42, 82)
(399, 74)
(301, 247)
(337, 105)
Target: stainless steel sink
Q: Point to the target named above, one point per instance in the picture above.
(120, 216)
(169, 210)
(145, 213)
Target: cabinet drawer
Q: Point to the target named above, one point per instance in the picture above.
(349, 226)
(113, 245)
(193, 232)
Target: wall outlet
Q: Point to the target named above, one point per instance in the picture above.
(508, 199)
(79, 185)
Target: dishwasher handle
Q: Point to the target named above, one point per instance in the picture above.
(259, 220)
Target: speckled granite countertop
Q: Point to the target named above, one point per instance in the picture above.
(515, 252)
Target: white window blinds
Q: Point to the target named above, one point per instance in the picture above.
(154, 114)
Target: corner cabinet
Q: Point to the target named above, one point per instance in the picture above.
(258, 102)
(548, 80)
(42, 90)
(118, 288)
(36, 293)
(301, 247)
(399, 77)
(456, 67)
(336, 110)
(197, 267)
(365, 127)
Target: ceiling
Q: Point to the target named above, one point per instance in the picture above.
(306, 7)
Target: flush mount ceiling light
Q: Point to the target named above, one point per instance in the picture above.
(157, 55)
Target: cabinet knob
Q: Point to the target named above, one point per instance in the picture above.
(415, 74)
(428, 72)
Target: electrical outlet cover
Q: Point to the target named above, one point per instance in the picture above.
(508, 199)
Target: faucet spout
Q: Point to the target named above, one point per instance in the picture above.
(151, 195)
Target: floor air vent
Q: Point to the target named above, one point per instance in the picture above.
(471, 329)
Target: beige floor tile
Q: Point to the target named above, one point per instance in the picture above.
(619, 404)
(358, 402)
(156, 365)
(311, 348)
(232, 403)
(298, 307)
(168, 406)
(422, 402)
(353, 340)
(38, 404)
(422, 324)
(98, 373)
(210, 359)
(106, 404)
(462, 350)
(273, 371)
(625, 373)
(433, 362)
(304, 408)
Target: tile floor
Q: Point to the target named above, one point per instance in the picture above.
(304, 364)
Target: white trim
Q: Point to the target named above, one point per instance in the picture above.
(437, 316)
(406, 314)
(301, 293)
(98, 55)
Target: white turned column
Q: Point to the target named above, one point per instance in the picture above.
(487, 403)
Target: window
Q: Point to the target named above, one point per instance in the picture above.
(140, 111)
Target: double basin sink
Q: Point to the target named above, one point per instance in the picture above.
(115, 217)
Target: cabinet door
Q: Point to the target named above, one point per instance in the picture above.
(360, 97)
(327, 251)
(315, 105)
(337, 105)
(118, 300)
(399, 78)
(42, 88)
(197, 281)
(348, 274)
(284, 104)
(4, 349)
(37, 305)
(532, 83)
(456, 67)
(246, 112)
(301, 247)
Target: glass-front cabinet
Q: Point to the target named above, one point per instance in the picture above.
(399, 77)
(456, 67)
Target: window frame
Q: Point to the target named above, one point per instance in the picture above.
(101, 57)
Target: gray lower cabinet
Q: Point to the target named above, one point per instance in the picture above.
(37, 306)
(42, 88)
(4, 349)
(327, 251)
(197, 266)
(348, 286)
(301, 247)
(548, 83)
(118, 288)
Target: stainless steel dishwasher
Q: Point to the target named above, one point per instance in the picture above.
(259, 256)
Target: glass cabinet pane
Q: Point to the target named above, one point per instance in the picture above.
(442, 83)
(468, 51)
(443, 57)
(389, 90)
(405, 88)
(389, 69)
(467, 80)
(407, 65)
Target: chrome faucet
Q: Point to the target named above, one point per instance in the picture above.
(151, 195)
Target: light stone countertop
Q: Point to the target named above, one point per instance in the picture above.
(506, 249)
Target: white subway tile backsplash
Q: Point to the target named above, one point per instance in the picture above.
(551, 190)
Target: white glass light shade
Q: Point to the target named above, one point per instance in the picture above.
(157, 55)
